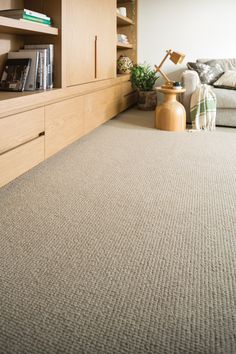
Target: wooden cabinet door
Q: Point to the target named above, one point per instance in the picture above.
(64, 124)
(106, 37)
(80, 41)
(89, 35)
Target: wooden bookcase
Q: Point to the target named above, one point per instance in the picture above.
(87, 91)
(14, 33)
(128, 26)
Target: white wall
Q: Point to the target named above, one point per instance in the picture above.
(198, 28)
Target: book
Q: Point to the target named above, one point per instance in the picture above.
(18, 13)
(30, 18)
(50, 59)
(31, 83)
(42, 72)
(15, 75)
(35, 19)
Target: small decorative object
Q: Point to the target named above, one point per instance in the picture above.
(176, 58)
(15, 74)
(124, 65)
(143, 78)
(122, 38)
(177, 85)
(123, 11)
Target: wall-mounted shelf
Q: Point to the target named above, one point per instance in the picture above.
(12, 26)
(123, 21)
(123, 45)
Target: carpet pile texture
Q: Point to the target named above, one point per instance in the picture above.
(125, 242)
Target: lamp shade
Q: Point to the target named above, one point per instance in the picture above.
(177, 58)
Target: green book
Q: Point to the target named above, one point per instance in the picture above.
(36, 19)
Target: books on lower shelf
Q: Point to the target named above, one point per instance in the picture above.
(15, 75)
(27, 15)
(40, 73)
(32, 75)
(40, 79)
(49, 60)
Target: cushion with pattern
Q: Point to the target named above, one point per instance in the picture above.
(208, 74)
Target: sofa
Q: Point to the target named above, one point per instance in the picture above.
(226, 98)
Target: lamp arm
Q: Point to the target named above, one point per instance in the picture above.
(158, 69)
(162, 62)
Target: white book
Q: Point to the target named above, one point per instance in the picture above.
(36, 14)
(32, 76)
(17, 13)
(42, 73)
(50, 58)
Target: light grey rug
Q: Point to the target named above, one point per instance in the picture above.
(125, 242)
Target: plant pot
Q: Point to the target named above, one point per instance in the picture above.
(147, 100)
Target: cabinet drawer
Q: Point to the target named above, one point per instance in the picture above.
(101, 106)
(20, 128)
(19, 160)
(127, 88)
(64, 124)
(129, 100)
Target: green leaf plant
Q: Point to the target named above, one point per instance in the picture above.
(143, 77)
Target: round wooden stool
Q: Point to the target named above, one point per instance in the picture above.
(171, 114)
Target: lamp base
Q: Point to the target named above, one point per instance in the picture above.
(168, 85)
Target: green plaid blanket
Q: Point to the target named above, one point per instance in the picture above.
(203, 108)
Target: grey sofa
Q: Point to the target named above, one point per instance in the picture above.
(226, 99)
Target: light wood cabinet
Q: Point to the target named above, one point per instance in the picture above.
(64, 123)
(101, 106)
(21, 159)
(89, 36)
(80, 41)
(20, 128)
(106, 39)
(87, 92)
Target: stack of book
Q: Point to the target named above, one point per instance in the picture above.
(29, 69)
(122, 38)
(27, 15)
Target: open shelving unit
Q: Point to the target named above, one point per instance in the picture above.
(14, 34)
(128, 26)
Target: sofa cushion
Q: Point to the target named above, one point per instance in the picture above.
(208, 74)
(226, 64)
(227, 80)
(225, 98)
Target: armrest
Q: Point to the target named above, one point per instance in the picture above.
(190, 81)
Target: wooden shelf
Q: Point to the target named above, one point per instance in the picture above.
(12, 26)
(6, 95)
(123, 21)
(123, 45)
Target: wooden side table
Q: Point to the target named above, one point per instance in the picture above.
(171, 114)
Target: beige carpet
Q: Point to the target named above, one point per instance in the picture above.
(123, 243)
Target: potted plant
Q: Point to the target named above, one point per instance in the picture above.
(143, 78)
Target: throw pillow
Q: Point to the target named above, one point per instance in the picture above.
(227, 80)
(208, 74)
